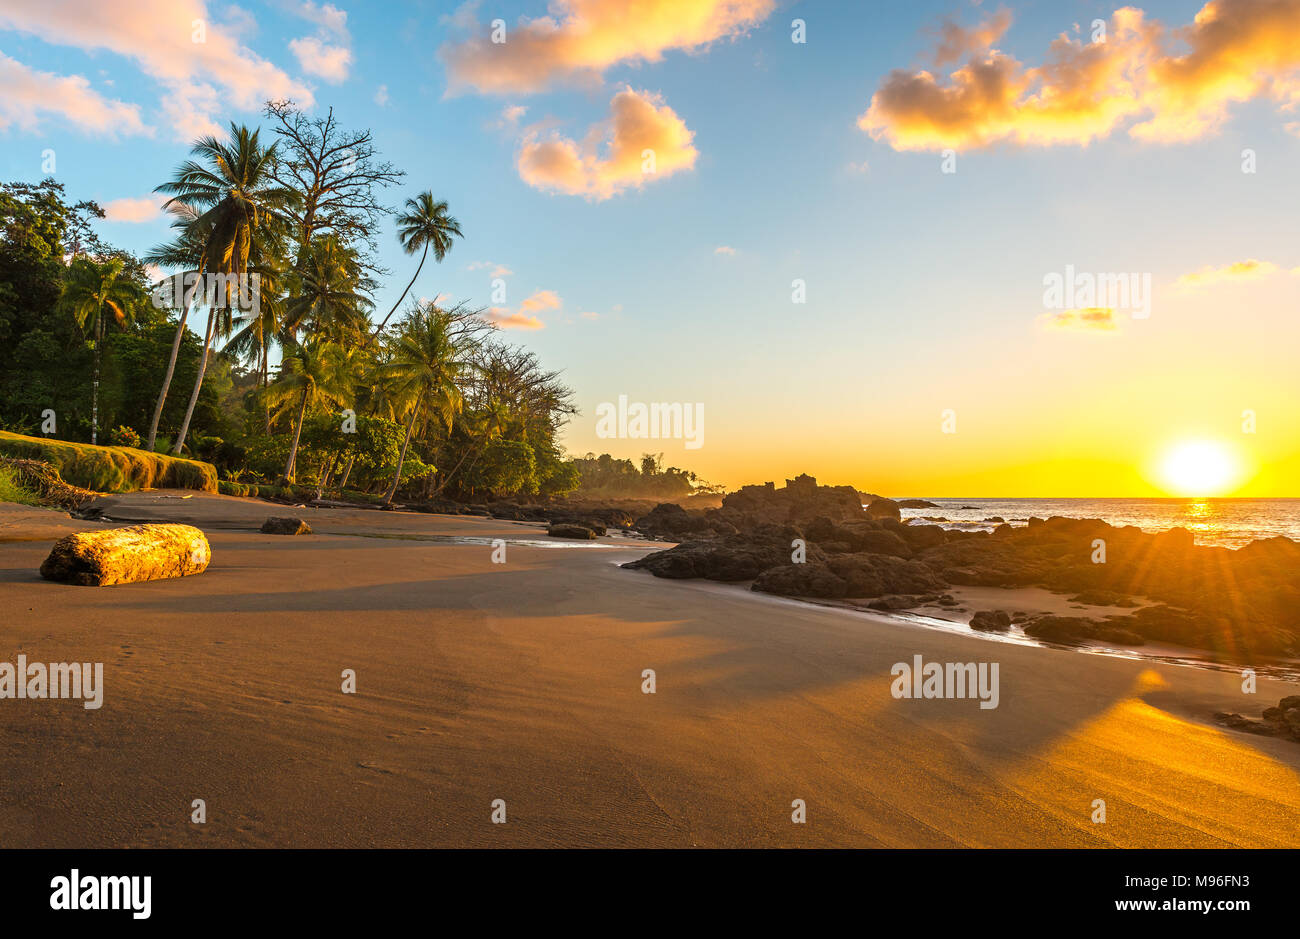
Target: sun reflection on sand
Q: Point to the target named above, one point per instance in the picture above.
(1175, 783)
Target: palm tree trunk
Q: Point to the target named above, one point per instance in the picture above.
(94, 386)
(297, 434)
(198, 382)
(265, 379)
(186, 302)
(399, 299)
(346, 473)
(397, 477)
(167, 378)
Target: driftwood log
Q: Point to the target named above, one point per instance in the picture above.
(127, 555)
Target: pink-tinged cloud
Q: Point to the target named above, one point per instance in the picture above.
(133, 211)
(1097, 319)
(321, 59)
(578, 39)
(27, 95)
(1161, 84)
(1236, 272)
(507, 320)
(541, 300)
(204, 69)
(642, 140)
(511, 114)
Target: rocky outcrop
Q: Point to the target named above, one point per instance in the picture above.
(671, 522)
(801, 501)
(1072, 630)
(884, 508)
(128, 555)
(1240, 604)
(736, 557)
(997, 621)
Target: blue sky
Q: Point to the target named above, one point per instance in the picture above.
(924, 288)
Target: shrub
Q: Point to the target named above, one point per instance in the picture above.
(228, 488)
(121, 436)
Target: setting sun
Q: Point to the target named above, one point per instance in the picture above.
(1199, 468)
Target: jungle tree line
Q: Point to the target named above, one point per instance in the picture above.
(432, 402)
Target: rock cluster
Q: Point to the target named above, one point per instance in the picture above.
(1238, 603)
(1280, 721)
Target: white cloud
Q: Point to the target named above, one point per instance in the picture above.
(497, 270)
(321, 59)
(328, 17)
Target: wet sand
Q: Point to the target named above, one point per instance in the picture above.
(522, 681)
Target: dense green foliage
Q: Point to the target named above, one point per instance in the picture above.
(255, 351)
(605, 476)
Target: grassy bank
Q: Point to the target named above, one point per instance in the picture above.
(111, 469)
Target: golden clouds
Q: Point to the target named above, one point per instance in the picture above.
(1250, 269)
(1095, 319)
(507, 320)
(541, 300)
(1165, 85)
(579, 39)
(642, 139)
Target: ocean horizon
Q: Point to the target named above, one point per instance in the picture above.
(1220, 522)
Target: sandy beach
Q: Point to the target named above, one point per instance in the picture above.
(522, 681)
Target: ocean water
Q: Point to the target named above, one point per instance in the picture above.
(1228, 523)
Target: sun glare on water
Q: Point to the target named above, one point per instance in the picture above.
(1199, 468)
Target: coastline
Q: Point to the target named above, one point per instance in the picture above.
(522, 680)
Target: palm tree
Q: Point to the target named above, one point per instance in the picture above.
(423, 372)
(327, 301)
(256, 329)
(233, 203)
(317, 372)
(425, 224)
(90, 289)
